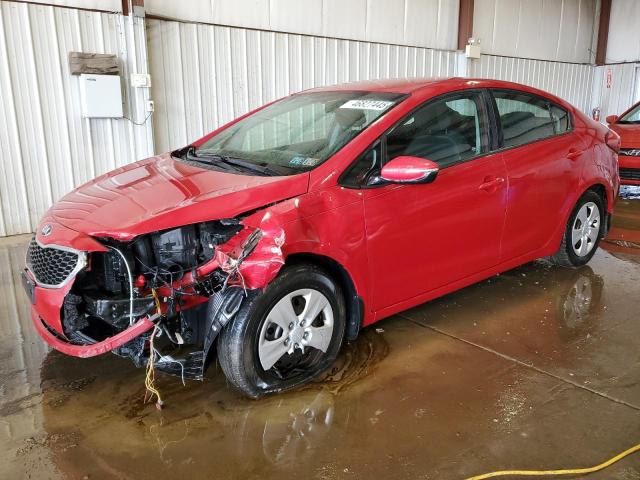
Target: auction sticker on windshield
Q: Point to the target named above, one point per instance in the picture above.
(367, 104)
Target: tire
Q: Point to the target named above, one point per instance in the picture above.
(577, 253)
(262, 329)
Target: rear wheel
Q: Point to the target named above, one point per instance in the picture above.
(285, 336)
(582, 233)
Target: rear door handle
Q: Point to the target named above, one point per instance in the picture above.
(574, 153)
(491, 183)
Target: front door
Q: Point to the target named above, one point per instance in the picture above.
(421, 237)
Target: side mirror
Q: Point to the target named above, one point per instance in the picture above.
(410, 170)
(612, 119)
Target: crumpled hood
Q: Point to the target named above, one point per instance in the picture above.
(160, 193)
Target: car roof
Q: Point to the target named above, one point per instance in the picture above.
(392, 85)
(437, 84)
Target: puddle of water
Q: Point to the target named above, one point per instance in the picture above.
(401, 402)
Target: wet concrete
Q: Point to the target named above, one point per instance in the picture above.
(535, 368)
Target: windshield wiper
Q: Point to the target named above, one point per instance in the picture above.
(252, 166)
(191, 155)
(236, 162)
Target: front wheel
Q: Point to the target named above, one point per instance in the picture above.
(582, 233)
(286, 335)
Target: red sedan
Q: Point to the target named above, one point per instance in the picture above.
(277, 237)
(627, 126)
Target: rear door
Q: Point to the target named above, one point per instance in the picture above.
(421, 237)
(542, 158)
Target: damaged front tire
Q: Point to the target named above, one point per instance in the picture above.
(285, 336)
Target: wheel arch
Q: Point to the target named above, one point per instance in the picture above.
(353, 302)
(607, 202)
(601, 190)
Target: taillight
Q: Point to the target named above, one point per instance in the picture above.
(612, 140)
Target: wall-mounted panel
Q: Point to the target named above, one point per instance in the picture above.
(422, 23)
(46, 147)
(206, 75)
(556, 30)
(569, 81)
(624, 32)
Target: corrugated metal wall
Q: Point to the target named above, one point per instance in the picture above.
(46, 148)
(206, 75)
(624, 89)
(624, 32)
(417, 23)
(570, 81)
(559, 30)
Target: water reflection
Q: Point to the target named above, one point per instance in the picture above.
(623, 240)
(290, 431)
(582, 301)
(537, 306)
(399, 391)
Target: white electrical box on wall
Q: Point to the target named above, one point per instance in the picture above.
(472, 51)
(101, 96)
(141, 80)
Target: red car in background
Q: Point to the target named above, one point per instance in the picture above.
(277, 237)
(627, 126)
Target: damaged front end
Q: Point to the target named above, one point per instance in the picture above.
(182, 285)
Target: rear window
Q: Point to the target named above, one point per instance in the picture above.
(526, 118)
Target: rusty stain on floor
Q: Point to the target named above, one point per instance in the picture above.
(535, 368)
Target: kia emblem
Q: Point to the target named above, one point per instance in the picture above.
(46, 230)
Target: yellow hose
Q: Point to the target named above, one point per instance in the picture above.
(574, 471)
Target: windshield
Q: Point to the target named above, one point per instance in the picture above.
(632, 116)
(297, 133)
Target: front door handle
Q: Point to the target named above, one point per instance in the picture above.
(490, 184)
(574, 153)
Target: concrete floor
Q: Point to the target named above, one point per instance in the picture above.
(535, 368)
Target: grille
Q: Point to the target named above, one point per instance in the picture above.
(52, 266)
(630, 152)
(630, 173)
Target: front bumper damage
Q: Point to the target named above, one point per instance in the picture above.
(238, 269)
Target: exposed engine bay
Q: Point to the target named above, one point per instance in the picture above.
(168, 277)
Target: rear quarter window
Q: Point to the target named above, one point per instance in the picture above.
(561, 119)
(527, 118)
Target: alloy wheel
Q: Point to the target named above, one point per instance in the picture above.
(585, 229)
(299, 323)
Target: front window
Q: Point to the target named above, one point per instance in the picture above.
(297, 133)
(632, 116)
(446, 130)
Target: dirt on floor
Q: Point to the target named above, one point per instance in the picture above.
(536, 368)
